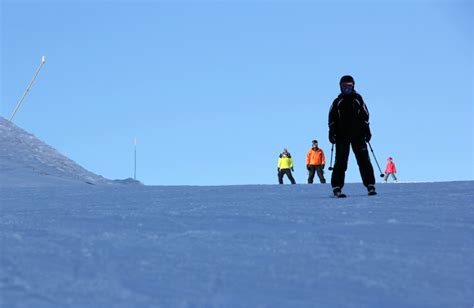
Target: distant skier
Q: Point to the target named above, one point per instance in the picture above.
(285, 166)
(349, 126)
(315, 162)
(390, 170)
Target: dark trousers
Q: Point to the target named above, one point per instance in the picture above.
(282, 172)
(362, 156)
(387, 174)
(316, 169)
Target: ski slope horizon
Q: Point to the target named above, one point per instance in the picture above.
(70, 238)
(22, 150)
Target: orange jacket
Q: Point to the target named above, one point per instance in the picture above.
(315, 157)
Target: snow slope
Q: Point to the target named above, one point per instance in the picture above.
(77, 245)
(23, 154)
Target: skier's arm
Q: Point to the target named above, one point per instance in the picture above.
(332, 121)
(364, 117)
(364, 113)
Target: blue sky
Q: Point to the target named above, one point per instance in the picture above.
(215, 90)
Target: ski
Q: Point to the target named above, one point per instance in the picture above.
(339, 195)
(371, 190)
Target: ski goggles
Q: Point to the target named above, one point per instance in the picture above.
(347, 85)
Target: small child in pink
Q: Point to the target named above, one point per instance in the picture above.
(390, 170)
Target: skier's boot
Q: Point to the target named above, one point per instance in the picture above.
(371, 190)
(338, 193)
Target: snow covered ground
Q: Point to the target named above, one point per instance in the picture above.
(65, 243)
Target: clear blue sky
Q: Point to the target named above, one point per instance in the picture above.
(215, 90)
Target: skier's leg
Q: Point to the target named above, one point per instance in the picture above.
(340, 164)
(290, 176)
(320, 171)
(365, 166)
(386, 176)
(312, 170)
(280, 177)
(394, 177)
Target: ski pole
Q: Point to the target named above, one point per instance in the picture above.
(330, 164)
(381, 174)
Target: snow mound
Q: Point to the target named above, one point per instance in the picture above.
(27, 161)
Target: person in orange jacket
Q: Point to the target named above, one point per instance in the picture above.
(315, 162)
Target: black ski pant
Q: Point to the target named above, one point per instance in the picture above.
(316, 169)
(282, 172)
(359, 147)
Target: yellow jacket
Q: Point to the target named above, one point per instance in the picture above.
(285, 162)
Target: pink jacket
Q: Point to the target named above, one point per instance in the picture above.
(390, 168)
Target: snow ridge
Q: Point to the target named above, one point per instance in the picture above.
(36, 162)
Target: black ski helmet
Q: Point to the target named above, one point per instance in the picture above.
(346, 78)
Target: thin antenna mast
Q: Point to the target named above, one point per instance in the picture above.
(43, 61)
(135, 165)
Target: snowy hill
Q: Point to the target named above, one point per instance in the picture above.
(77, 245)
(237, 246)
(27, 161)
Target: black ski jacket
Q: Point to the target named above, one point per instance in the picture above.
(349, 118)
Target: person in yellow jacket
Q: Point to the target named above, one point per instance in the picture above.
(315, 162)
(285, 166)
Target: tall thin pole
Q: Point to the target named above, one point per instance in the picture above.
(381, 174)
(135, 166)
(43, 60)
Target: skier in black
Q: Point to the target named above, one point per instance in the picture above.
(349, 126)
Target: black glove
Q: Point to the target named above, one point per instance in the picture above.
(332, 136)
(292, 169)
(308, 168)
(322, 166)
(367, 136)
